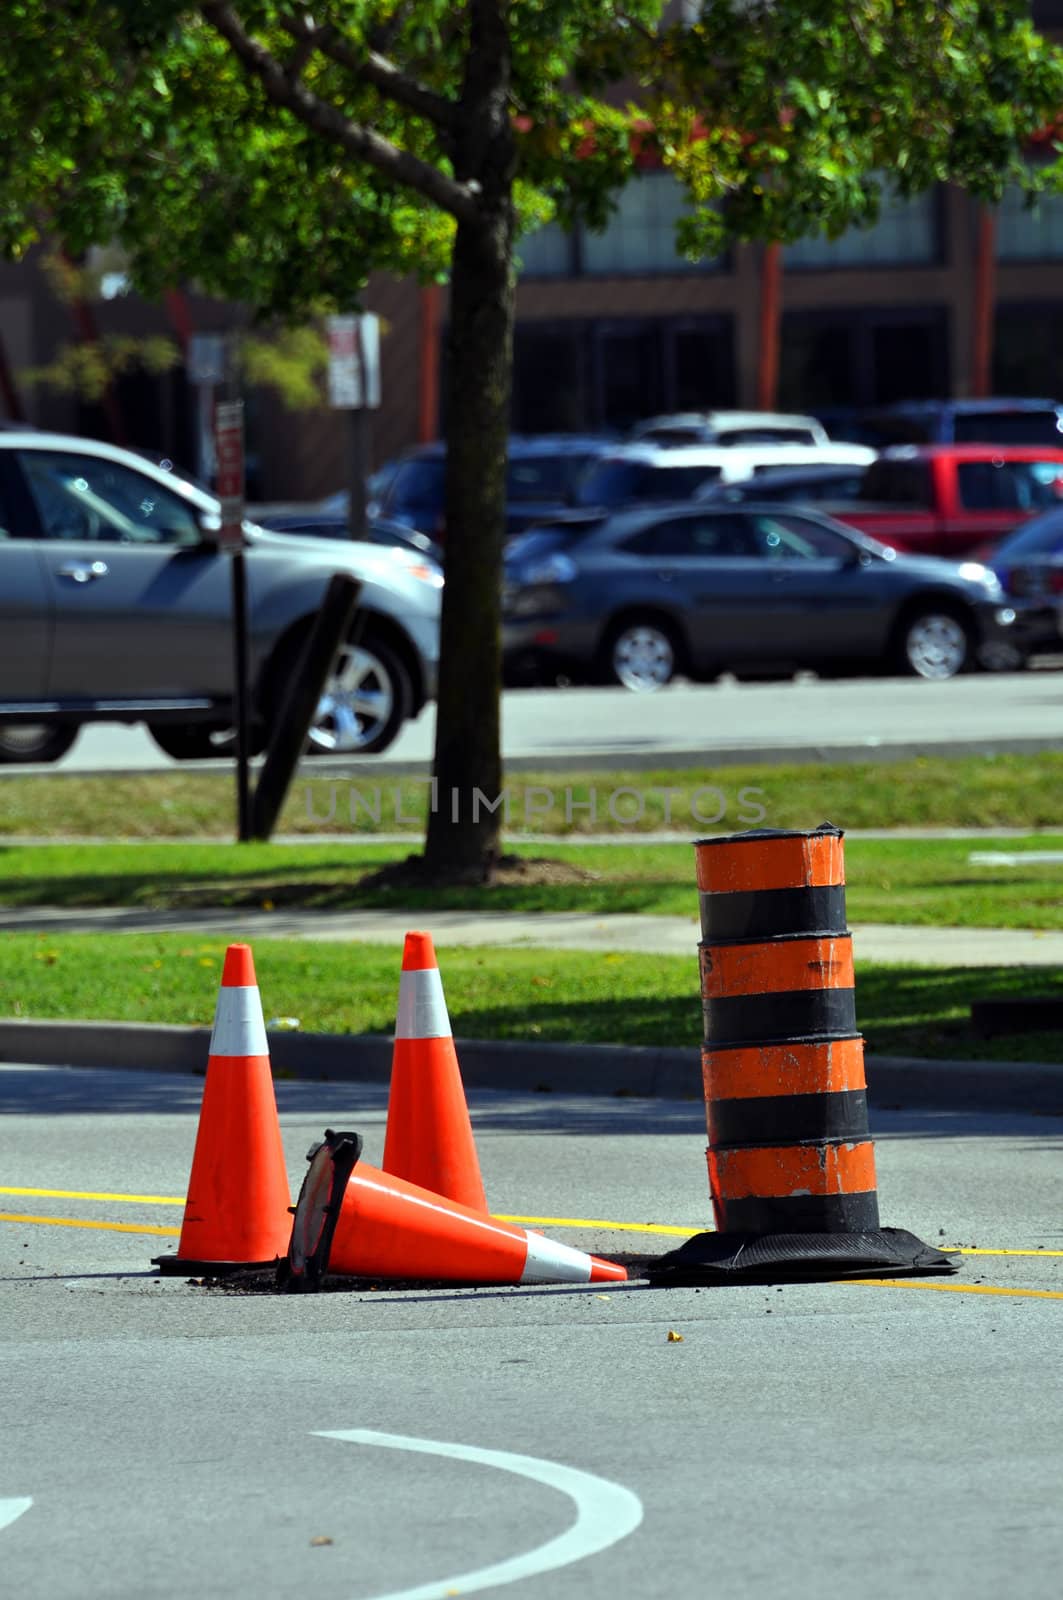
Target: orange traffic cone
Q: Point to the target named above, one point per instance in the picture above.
(237, 1213)
(352, 1218)
(428, 1140)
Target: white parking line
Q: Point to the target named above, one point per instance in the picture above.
(11, 1510)
(606, 1512)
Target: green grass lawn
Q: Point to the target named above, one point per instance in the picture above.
(928, 882)
(543, 995)
(1016, 791)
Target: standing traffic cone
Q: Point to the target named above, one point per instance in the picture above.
(355, 1220)
(238, 1212)
(428, 1140)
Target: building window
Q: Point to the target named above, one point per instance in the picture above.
(546, 253)
(1028, 349)
(1026, 233)
(861, 357)
(639, 237)
(906, 232)
(609, 373)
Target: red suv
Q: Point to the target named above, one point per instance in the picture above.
(954, 499)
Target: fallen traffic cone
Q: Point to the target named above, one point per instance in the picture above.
(428, 1140)
(355, 1220)
(237, 1213)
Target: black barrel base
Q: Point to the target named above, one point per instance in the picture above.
(710, 1258)
(187, 1266)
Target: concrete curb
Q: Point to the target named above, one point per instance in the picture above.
(694, 757)
(663, 1073)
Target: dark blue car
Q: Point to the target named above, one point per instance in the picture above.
(637, 597)
(540, 478)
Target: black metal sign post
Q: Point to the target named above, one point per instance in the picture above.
(229, 450)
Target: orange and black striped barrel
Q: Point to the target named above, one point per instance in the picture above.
(783, 1063)
(789, 1147)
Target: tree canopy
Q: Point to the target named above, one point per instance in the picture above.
(278, 154)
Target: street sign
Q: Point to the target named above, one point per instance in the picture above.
(354, 362)
(229, 451)
(206, 358)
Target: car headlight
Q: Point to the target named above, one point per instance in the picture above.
(974, 572)
(557, 568)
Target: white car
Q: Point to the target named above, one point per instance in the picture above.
(633, 474)
(730, 428)
(115, 605)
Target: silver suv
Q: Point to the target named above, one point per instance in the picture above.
(115, 605)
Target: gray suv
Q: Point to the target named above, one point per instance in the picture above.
(115, 606)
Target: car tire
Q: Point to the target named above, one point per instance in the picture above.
(367, 698)
(642, 654)
(23, 742)
(199, 741)
(934, 642)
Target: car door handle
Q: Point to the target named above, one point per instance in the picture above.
(666, 574)
(82, 573)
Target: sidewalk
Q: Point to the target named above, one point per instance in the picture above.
(563, 930)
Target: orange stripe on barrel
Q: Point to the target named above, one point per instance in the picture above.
(776, 1173)
(745, 865)
(761, 1071)
(778, 966)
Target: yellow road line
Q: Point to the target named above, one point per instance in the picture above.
(596, 1222)
(79, 1194)
(953, 1288)
(529, 1222)
(72, 1222)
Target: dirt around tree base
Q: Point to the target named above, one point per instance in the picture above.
(415, 873)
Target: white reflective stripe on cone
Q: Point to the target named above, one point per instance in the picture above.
(238, 1026)
(422, 1012)
(551, 1262)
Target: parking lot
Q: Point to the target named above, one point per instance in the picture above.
(176, 1440)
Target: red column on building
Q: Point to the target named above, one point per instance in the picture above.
(770, 305)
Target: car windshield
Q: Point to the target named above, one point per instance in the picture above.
(1042, 536)
(1008, 427)
(616, 482)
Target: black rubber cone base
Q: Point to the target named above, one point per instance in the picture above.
(185, 1266)
(794, 1257)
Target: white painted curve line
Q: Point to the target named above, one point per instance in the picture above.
(11, 1510)
(606, 1513)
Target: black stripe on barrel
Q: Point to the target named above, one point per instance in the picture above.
(768, 913)
(772, 1018)
(788, 1118)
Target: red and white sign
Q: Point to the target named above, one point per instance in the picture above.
(354, 362)
(229, 451)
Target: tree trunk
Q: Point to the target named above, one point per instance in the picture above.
(465, 825)
(463, 830)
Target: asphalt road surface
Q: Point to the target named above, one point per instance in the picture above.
(590, 727)
(165, 1440)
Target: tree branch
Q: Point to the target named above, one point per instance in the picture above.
(284, 90)
(373, 68)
